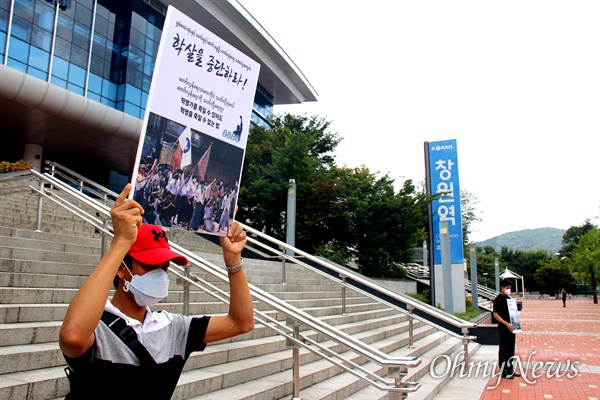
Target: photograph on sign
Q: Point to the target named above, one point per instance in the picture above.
(192, 145)
(513, 311)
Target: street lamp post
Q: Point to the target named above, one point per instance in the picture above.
(485, 274)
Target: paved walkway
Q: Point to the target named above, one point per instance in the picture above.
(566, 341)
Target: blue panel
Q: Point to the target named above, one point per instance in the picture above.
(95, 84)
(75, 88)
(60, 68)
(133, 95)
(19, 50)
(76, 75)
(19, 66)
(37, 73)
(39, 59)
(58, 82)
(443, 176)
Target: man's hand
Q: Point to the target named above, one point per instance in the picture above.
(233, 244)
(510, 327)
(126, 217)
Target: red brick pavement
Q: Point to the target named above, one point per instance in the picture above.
(559, 335)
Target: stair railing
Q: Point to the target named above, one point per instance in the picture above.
(351, 280)
(395, 366)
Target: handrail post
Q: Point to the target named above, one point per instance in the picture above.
(410, 327)
(343, 278)
(295, 358)
(398, 373)
(465, 341)
(38, 223)
(282, 265)
(186, 291)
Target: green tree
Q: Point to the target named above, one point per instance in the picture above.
(525, 263)
(553, 276)
(571, 238)
(586, 259)
(342, 213)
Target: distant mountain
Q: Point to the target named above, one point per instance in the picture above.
(549, 239)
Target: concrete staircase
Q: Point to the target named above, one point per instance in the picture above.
(41, 271)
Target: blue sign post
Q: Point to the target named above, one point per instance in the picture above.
(442, 181)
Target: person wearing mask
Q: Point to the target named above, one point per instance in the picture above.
(117, 347)
(506, 336)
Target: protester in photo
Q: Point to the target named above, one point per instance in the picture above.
(143, 357)
(506, 336)
(563, 293)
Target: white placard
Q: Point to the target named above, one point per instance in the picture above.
(513, 312)
(195, 128)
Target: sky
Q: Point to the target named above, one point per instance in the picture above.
(516, 83)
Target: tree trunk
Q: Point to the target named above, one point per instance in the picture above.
(594, 292)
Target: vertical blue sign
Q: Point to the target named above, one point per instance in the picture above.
(443, 178)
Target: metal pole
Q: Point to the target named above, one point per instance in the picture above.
(497, 271)
(410, 327)
(295, 357)
(474, 288)
(343, 277)
(290, 237)
(282, 266)
(465, 341)
(186, 291)
(38, 224)
(446, 267)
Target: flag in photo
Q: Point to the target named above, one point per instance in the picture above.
(185, 144)
(203, 164)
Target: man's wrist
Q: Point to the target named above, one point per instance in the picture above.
(232, 269)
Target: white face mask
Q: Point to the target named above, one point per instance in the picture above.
(148, 289)
(507, 292)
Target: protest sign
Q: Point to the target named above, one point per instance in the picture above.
(514, 315)
(191, 150)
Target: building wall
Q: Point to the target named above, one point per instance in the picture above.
(104, 50)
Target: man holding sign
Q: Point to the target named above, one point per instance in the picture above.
(506, 330)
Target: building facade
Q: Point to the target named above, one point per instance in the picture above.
(75, 75)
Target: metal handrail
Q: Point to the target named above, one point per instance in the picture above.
(426, 308)
(393, 363)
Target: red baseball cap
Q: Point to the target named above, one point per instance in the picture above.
(152, 247)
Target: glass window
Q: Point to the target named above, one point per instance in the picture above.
(64, 28)
(76, 75)
(60, 68)
(99, 46)
(42, 38)
(83, 15)
(81, 36)
(2, 43)
(108, 102)
(137, 39)
(21, 29)
(109, 90)
(133, 94)
(62, 48)
(58, 82)
(44, 16)
(97, 65)
(131, 110)
(95, 84)
(79, 56)
(94, 96)
(39, 59)
(37, 73)
(101, 26)
(18, 50)
(134, 77)
(19, 66)
(75, 88)
(138, 22)
(24, 9)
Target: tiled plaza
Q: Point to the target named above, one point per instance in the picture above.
(559, 350)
